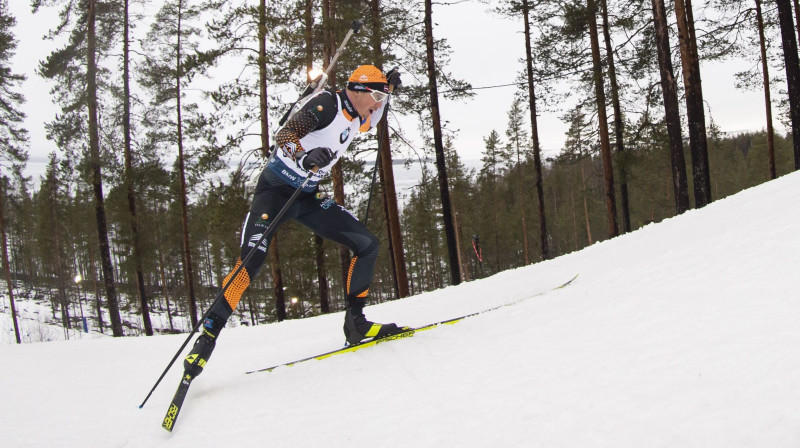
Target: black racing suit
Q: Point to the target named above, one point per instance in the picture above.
(322, 215)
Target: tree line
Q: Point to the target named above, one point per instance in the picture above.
(158, 137)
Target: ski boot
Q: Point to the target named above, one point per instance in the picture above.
(194, 362)
(357, 327)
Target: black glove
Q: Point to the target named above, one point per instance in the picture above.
(393, 78)
(319, 157)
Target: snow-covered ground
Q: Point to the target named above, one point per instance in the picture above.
(683, 334)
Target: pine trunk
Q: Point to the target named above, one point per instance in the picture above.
(537, 152)
(322, 277)
(337, 175)
(589, 238)
(319, 242)
(161, 274)
(457, 223)
(187, 248)
(98, 304)
(792, 72)
(767, 96)
(262, 77)
(669, 88)
(274, 256)
(7, 271)
(392, 211)
(797, 17)
(690, 61)
(522, 208)
(495, 202)
(97, 179)
(277, 278)
(387, 172)
(574, 216)
(391, 249)
(619, 129)
(59, 272)
(605, 143)
(134, 223)
(444, 189)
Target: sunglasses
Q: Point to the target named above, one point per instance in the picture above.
(377, 95)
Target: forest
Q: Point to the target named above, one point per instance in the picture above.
(168, 109)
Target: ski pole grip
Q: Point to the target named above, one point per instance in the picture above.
(356, 26)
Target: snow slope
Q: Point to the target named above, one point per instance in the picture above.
(683, 334)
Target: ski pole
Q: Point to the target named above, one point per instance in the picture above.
(377, 160)
(372, 185)
(221, 293)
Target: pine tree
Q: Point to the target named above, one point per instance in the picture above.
(767, 96)
(52, 205)
(619, 127)
(330, 39)
(577, 149)
(75, 68)
(669, 88)
(537, 160)
(13, 138)
(792, 65)
(444, 189)
(423, 234)
(386, 170)
(492, 162)
(695, 112)
(171, 39)
(277, 53)
(129, 174)
(516, 149)
(605, 144)
(461, 189)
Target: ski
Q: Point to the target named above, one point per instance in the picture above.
(177, 403)
(369, 343)
(404, 334)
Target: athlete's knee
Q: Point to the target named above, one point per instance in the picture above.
(369, 247)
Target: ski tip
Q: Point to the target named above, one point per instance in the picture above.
(172, 414)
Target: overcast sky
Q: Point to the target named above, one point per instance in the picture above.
(485, 52)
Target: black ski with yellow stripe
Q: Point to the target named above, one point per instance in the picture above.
(402, 335)
(369, 343)
(177, 402)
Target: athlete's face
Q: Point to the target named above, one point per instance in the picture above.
(364, 103)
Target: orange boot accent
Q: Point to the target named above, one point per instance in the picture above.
(240, 283)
